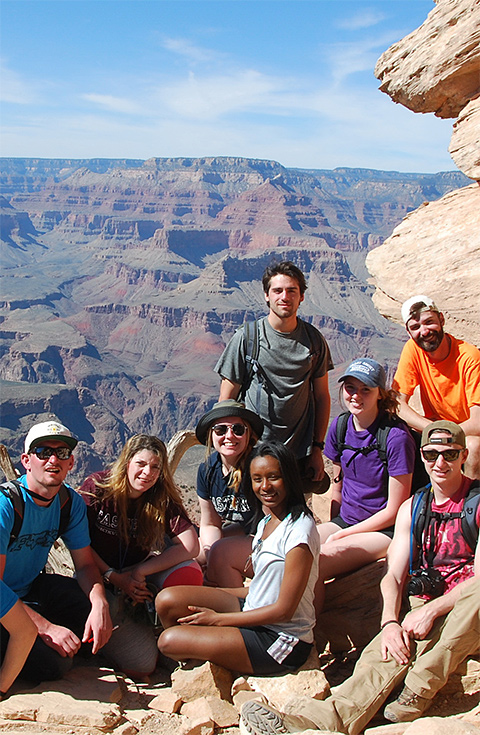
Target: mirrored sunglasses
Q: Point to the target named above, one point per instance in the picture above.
(46, 452)
(221, 429)
(449, 455)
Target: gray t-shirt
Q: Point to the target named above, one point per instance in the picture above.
(291, 361)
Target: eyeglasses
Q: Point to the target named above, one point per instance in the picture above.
(449, 455)
(46, 452)
(221, 429)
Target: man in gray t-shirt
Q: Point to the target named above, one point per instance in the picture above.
(294, 359)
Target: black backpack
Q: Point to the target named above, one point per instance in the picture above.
(12, 491)
(422, 502)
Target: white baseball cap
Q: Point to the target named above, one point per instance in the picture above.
(49, 430)
(421, 303)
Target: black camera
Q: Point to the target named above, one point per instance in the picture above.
(426, 582)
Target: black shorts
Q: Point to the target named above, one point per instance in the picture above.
(343, 524)
(289, 652)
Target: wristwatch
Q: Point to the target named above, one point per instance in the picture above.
(320, 445)
(108, 574)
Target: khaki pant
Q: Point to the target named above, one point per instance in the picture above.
(353, 704)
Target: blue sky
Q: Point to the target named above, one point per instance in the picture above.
(288, 80)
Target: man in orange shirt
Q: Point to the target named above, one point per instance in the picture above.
(447, 371)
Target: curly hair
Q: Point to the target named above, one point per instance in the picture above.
(153, 505)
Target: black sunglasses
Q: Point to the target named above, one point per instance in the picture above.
(449, 455)
(46, 452)
(221, 429)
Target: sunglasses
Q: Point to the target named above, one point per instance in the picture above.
(221, 429)
(46, 452)
(449, 455)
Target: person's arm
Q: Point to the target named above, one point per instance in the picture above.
(298, 563)
(395, 639)
(228, 389)
(210, 526)
(407, 413)
(398, 491)
(419, 622)
(98, 625)
(185, 546)
(22, 633)
(336, 487)
(471, 426)
(321, 402)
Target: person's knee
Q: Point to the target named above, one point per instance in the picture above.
(167, 642)
(164, 601)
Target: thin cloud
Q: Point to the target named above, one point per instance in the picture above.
(14, 88)
(111, 103)
(185, 48)
(366, 18)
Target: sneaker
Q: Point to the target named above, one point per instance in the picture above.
(407, 707)
(261, 719)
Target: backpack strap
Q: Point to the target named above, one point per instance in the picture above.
(12, 491)
(251, 341)
(469, 515)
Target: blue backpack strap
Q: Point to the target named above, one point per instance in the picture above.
(419, 505)
(12, 491)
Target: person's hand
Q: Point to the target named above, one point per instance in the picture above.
(98, 627)
(61, 639)
(396, 642)
(134, 588)
(342, 533)
(418, 622)
(201, 616)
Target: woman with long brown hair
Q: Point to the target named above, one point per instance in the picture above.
(142, 540)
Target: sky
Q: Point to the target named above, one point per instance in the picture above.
(284, 80)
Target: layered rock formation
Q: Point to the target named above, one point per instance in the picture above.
(436, 249)
(123, 281)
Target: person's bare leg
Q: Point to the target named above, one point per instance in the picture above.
(172, 602)
(227, 560)
(346, 555)
(222, 646)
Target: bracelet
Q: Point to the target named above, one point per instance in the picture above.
(320, 445)
(107, 574)
(387, 622)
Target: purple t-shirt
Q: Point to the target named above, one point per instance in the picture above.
(363, 491)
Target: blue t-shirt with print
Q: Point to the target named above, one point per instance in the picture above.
(28, 554)
(8, 598)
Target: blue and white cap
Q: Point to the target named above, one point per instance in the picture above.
(368, 371)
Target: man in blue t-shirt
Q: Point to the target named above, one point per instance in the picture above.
(67, 612)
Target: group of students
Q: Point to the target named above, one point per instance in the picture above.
(160, 572)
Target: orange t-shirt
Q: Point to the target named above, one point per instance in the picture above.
(447, 388)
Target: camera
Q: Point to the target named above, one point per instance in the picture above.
(426, 582)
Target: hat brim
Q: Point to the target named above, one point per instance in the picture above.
(222, 412)
(70, 441)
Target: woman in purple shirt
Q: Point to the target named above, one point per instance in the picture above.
(366, 496)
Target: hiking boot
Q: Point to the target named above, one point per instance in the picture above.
(261, 719)
(407, 707)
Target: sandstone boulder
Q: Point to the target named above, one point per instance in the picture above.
(437, 67)
(464, 145)
(202, 681)
(435, 250)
